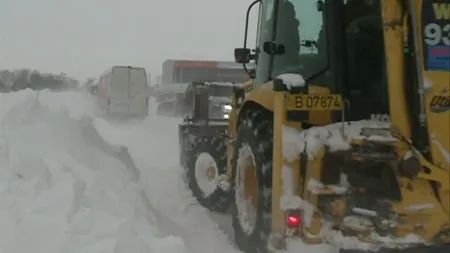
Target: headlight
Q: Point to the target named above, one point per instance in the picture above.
(227, 107)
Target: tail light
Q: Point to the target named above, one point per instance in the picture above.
(293, 219)
(108, 100)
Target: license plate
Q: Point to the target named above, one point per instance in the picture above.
(315, 102)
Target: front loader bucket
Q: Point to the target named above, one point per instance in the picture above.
(443, 248)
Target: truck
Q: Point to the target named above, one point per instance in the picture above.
(178, 74)
(122, 91)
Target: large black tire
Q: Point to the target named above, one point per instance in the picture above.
(215, 146)
(256, 131)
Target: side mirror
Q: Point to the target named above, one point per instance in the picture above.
(274, 48)
(320, 6)
(242, 55)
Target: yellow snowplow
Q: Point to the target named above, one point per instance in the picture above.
(342, 141)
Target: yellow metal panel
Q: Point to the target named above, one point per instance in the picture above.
(395, 63)
(277, 184)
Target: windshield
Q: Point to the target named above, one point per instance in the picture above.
(221, 91)
(300, 29)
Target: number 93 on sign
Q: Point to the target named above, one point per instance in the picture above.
(314, 102)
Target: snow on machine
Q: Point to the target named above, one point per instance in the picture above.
(342, 141)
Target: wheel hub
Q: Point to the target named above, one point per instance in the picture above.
(206, 173)
(211, 173)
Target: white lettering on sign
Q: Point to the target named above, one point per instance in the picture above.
(436, 34)
(441, 11)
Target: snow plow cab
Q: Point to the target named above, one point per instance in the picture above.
(343, 140)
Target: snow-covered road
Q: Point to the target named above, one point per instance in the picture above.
(64, 190)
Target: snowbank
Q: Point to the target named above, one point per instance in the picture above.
(63, 190)
(75, 103)
(154, 147)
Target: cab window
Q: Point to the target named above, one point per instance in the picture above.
(300, 28)
(366, 83)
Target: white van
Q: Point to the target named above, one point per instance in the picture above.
(122, 91)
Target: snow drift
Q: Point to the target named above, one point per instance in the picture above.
(64, 189)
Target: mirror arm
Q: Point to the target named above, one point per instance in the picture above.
(252, 56)
(247, 20)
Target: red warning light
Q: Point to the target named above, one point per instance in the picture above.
(293, 220)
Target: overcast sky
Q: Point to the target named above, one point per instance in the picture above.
(84, 37)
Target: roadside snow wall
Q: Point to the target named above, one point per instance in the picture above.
(63, 189)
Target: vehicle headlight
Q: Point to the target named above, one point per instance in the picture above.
(227, 107)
